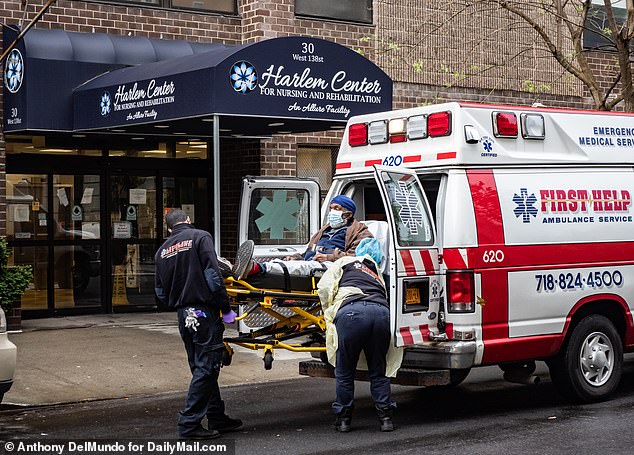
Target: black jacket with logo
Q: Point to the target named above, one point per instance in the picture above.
(187, 270)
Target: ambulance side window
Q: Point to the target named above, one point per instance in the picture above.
(374, 209)
(366, 195)
(279, 216)
(431, 187)
(409, 209)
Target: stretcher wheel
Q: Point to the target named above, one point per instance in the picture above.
(268, 360)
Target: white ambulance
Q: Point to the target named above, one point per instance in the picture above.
(509, 234)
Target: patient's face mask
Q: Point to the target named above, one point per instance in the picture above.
(336, 219)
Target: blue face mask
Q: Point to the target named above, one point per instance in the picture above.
(335, 219)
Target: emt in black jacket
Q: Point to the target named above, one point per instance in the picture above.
(188, 279)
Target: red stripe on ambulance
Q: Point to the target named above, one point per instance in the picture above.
(412, 159)
(446, 155)
(347, 165)
(455, 258)
(406, 335)
(369, 163)
(424, 332)
(405, 256)
(418, 262)
(428, 262)
(528, 257)
(488, 216)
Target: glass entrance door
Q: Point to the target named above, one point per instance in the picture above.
(76, 231)
(133, 238)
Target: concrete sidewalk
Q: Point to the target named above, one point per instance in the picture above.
(80, 358)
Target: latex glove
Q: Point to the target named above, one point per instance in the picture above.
(229, 317)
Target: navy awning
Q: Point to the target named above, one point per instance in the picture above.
(97, 82)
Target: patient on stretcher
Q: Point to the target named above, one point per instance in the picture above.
(338, 238)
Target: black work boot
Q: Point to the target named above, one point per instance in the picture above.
(343, 422)
(200, 433)
(224, 424)
(385, 418)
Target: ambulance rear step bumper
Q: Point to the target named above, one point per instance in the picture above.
(405, 376)
(444, 354)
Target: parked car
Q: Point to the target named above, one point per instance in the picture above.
(8, 354)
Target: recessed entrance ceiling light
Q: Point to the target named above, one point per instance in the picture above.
(79, 135)
(337, 127)
(208, 120)
(284, 132)
(138, 138)
(276, 124)
(225, 130)
(118, 131)
(161, 126)
(180, 133)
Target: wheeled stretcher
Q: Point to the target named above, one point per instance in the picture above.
(280, 311)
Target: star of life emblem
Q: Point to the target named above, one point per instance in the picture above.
(525, 208)
(410, 213)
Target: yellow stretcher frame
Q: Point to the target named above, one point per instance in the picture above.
(303, 322)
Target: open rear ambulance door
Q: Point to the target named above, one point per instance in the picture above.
(415, 284)
(279, 214)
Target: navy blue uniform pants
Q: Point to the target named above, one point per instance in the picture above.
(204, 353)
(362, 326)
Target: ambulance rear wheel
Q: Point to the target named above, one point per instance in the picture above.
(590, 365)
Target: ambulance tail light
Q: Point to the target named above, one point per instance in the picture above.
(504, 124)
(460, 292)
(439, 124)
(396, 129)
(358, 134)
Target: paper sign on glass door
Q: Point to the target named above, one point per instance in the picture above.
(138, 196)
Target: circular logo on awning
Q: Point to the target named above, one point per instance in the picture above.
(105, 104)
(244, 77)
(14, 71)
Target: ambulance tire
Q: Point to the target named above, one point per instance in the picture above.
(567, 372)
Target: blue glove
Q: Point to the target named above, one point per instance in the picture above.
(229, 317)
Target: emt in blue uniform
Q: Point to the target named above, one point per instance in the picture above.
(354, 298)
(188, 279)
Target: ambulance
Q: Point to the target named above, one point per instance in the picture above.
(508, 233)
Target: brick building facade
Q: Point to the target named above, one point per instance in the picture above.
(430, 58)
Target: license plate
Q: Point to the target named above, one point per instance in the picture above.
(412, 297)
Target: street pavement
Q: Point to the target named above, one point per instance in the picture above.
(106, 356)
